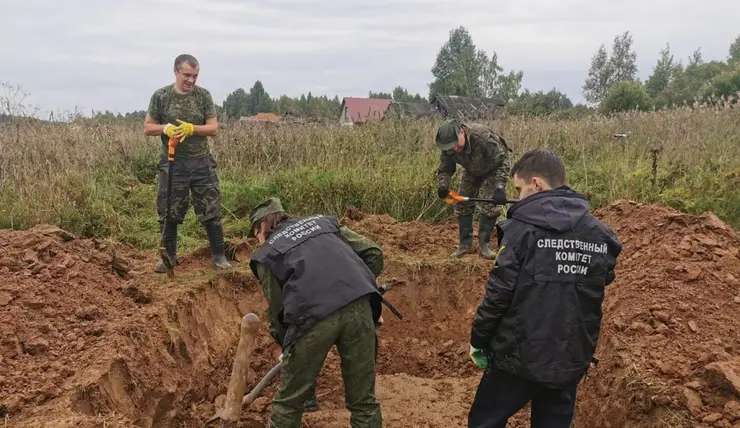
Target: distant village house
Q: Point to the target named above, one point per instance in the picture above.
(399, 110)
(361, 110)
(467, 108)
(261, 117)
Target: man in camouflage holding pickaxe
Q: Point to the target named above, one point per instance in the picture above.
(485, 159)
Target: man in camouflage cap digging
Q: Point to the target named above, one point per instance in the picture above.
(485, 159)
(186, 111)
(319, 279)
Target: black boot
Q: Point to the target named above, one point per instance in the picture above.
(215, 232)
(312, 403)
(465, 223)
(485, 230)
(170, 245)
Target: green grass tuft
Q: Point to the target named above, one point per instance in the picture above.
(97, 179)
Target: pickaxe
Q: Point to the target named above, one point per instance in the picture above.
(256, 392)
(499, 198)
(229, 414)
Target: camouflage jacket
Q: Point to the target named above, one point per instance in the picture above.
(166, 106)
(485, 153)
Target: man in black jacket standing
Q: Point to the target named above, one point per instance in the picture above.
(535, 331)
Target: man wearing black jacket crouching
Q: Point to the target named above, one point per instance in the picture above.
(535, 331)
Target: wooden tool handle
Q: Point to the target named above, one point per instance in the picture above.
(238, 382)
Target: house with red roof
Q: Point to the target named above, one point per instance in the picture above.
(361, 110)
(262, 117)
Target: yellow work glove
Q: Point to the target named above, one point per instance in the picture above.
(169, 130)
(184, 130)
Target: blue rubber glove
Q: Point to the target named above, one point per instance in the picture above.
(479, 357)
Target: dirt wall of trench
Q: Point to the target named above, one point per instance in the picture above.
(91, 338)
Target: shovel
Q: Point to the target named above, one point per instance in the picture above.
(168, 264)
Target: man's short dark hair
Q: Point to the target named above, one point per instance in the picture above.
(185, 58)
(540, 163)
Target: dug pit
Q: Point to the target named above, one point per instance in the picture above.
(91, 338)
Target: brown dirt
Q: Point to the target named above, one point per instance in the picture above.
(91, 338)
(673, 311)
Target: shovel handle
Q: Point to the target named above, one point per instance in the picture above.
(257, 390)
(168, 264)
(171, 145)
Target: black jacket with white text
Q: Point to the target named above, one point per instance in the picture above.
(541, 315)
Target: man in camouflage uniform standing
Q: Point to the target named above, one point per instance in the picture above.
(485, 159)
(319, 278)
(186, 111)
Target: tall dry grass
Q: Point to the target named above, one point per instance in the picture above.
(100, 179)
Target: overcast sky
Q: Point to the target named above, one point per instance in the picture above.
(100, 54)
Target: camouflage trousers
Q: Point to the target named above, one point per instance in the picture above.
(352, 330)
(197, 176)
(477, 187)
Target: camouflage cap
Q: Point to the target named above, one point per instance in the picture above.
(447, 134)
(266, 207)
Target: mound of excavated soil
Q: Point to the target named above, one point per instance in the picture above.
(670, 347)
(91, 338)
(418, 239)
(58, 296)
(88, 341)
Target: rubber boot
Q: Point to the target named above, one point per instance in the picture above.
(465, 223)
(170, 245)
(312, 403)
(485, 230)
(215, 232)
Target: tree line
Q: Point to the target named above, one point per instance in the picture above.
(612, 83)
(241, 103)
(460, 68)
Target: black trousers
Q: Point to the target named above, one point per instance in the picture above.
(500, 395)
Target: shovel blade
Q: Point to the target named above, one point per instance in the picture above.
(167, 262)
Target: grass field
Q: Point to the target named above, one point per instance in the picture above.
(99, 179)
